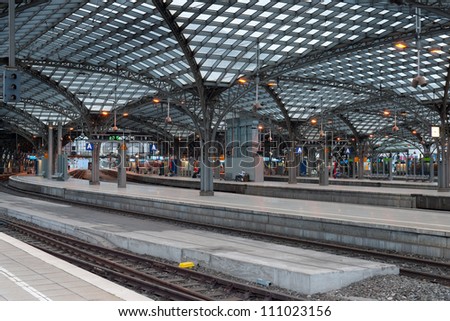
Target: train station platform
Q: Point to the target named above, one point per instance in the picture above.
(301, 270)
(402, 194)
(398, 229)
(29, 274)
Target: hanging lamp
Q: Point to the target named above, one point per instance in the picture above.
(168, 119)
(115, 128)
(257, 104)
(395, 127)
(419, 80)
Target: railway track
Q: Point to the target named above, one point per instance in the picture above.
(148, 276)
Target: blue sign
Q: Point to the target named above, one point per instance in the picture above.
(89, 146)
(154, 147)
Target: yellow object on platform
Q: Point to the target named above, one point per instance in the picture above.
(186, 265)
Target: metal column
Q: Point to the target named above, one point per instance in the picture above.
(50, 152)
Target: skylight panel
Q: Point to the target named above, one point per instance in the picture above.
(265, 14)
(249, 12)
(140, 12)
(203, 17)
(274, 47)
(220, 19)
(281, 17)
(253, 23)
(232, 10)
(311, 10)
(241, 32)
(236, 21)
(312, 21)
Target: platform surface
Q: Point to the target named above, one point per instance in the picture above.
(29, 274)
(365, 214)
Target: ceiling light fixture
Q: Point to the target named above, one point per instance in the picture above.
(400, 45)
(168, 120)
(419, 80)
(395, 127)
(257, 104)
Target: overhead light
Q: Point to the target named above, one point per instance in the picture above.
(436, 51)
(257, 105)
(156, 100)
(313, 121)
(272, 83)
(168, 120)
(386, 112)
(419, 81)
(125, 114)
(242, 81)
(400, 45)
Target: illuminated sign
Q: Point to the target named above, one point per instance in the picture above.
(115, 137)
(435, 131)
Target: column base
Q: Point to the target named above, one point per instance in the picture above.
(206, 193)
(94, 183)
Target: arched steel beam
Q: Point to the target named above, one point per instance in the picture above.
(166, 87)
(320, 55)
(206, 107)
(385, 95)
(24, 5)
(150, 126)
(182, 41)
(273, 94)
(76, 103)
(17, 129)
(33, 121)
(349, 125)
(60, 110)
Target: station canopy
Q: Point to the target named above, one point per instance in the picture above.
(303, 69)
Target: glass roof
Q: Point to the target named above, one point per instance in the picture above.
(330, 60)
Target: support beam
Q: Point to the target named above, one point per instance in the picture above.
(49, 172)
